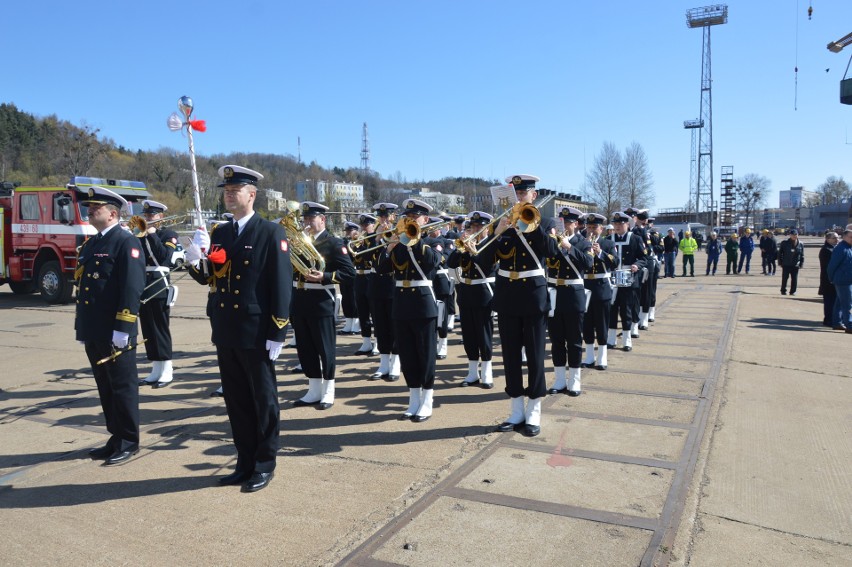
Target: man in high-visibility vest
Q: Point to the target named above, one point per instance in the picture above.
(688, 246)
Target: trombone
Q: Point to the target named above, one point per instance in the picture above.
(405, 227)
(526, 214)
(139, 226)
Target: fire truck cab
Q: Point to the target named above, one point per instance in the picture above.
(41, 229)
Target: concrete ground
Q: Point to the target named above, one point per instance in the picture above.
(724, 438)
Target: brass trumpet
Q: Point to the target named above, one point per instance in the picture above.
(405, 227)
(139, 226)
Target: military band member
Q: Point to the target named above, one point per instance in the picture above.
(352, 325)
(568, 303)
(597, 281)
(630, 253)
(521, 302)
(415, 310)
(158, 246)
(442, 285)
(381, 293)
(458, 227)
(312, 308)
(649, 305)
(640, 229)
(247, 267)
(475, 297)
(110, 276)
(364, 276)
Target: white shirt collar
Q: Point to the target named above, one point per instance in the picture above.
(241, 224)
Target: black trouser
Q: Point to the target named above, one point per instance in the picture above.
(768, 264)
(417, 351)
(623, 306)
(566, 338)
(347, 300)
(689, 259)
(732, 264)
(362, 305)
(315, 345)
(596, 321)
(517, 332)
(154, 320)
(380, 311)
(712, 263)
(829, 296)
(251, 398)
(477, 328)
(118, 388)
(793, 273)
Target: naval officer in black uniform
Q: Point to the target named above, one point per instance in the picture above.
(630, 254)
(415, 310)
(247, 266)
(568, 303)
(381, 292)
(364, 272)
(597, 281)
(158, 245)
(110, 276)
(312, 308)
(521, 302)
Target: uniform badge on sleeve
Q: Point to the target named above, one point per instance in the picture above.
(283, 245)
(344, 250)
(134, 252)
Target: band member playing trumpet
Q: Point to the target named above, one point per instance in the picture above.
(352, 325)
(110, 276)
(415, 311)
(381, 293)
(475, 296)
(630, 253)
(519, 249)
(312, 308)
(568, 303)
(158, 246)
(597, 281)
(364, 276)
(442, 284)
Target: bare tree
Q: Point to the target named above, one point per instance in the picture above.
(751, 191)
(637, 180)
(604, 181)
(80, 148)
(834, 190)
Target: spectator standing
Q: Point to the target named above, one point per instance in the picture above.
(840, 273)
(791, 256)
(670, 243)
(714, 250)
(731, 248)
(826, 287)
(688, 246)
(768, 252)
(746, 248)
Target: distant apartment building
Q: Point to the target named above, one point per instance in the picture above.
(275, 200)
(348, 196)
(796, 197)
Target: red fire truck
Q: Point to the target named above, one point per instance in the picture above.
(41, 229)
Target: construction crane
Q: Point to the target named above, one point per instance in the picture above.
(837, 46)
(845, 84)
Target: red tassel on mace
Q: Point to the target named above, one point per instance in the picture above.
(198, 125)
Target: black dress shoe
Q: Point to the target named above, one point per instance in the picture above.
(300, 404)
(628, 349)
(325, 405)
(392, 377)
(236, 477)
(420, 418)
(839, 328)
(257, 481)
(146, 383)
(488, 386)
(376, 376)
(600, 367)
(441, 356)
(507, 426)
(587, 364)
(295, 370)
(405, 417)
(557, 391)
(162, 384)
(642, 328)
(574, 394)
(360, 352)
(610, 347)
(531, 430)
(465, 383)
(216, 394)
(120, 457)
(101, 452)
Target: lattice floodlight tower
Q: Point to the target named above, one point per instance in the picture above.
(702, 191)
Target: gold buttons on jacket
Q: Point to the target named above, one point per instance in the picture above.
(246, 262)
(236, 292)
(238, 276)
(235, 305)
(221, 305)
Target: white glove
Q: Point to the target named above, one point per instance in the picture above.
(119, 339)
(193, 254)
(274, 348)
(201, 239)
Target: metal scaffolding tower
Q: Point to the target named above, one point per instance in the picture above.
(728, 200)
(365, 151)
(704, 18)
(693, 126)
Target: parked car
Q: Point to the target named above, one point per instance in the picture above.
(178, 257)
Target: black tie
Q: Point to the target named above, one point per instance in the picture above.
(236, 229)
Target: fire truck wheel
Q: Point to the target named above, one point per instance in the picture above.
(52, 283)
(22, 288)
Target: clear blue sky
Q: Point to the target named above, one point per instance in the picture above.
(447, 88)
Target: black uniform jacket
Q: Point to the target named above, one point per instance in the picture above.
(250, 290)
(338, 269)
(570, 298)
(477, 295)
(518, 296)
(603, 263)
(158, 249)
(410, 302)
(110, 274)
(631, 253)
(441, 282)
(363, 264)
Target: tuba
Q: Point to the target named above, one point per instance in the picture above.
(303, 255)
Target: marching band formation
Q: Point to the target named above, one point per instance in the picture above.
(404, 276)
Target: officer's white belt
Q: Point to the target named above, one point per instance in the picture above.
(561, 281)
(365, 272)
(468, 281)
(519, 275)
(444, 271)
(597, 276)
(413, 283)
(161, 269)
(311, 285)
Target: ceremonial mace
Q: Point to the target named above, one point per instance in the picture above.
(175, 123)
